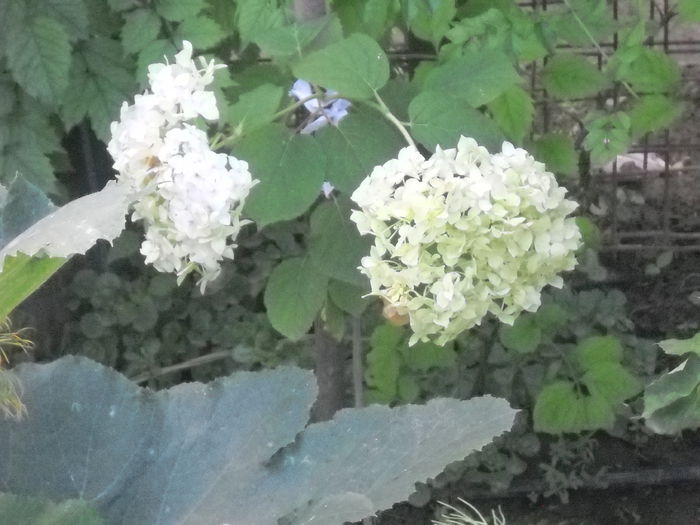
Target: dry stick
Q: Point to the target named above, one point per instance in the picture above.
(191, 363)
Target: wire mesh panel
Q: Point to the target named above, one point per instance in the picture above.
(648, 198)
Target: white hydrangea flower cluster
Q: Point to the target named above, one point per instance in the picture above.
(462, 234)
(189, 197)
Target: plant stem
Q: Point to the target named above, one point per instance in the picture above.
(357, 363)
(384, 110)
(595, 43)
(191, 363)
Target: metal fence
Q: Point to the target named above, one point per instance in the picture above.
(649, 200)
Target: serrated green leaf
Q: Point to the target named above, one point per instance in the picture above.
(595, 15)
(201, 31)
(651, 71)
(28, 159)
(289, 40)
(254, 108)
(101, 80)
(513, 111)
(154, 52)
(599, 349)
(424, 356)
(255, 17)
(39, 57)
(652, 113)
(439, 119)
(682, 346)
(608, 136)
(477, 77)
(348, 297)
(590, 233)
(384, 359)
(572, 76)
(612, 382)
(360, 142)
(294, 296)
(355, 67)
(560, 408)
(335, 245)
(524, 336)
(689, 10)
(141, 27)
(407, 388)
(290, 169)
(429, 20)
(71, 13)
(557, 152)
(25, 510)
(178, 11)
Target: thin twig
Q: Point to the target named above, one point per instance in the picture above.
(191, 363)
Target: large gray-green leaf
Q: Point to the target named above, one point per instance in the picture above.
(75, 227)
(23, 205)
(203, 454)
(23, 510)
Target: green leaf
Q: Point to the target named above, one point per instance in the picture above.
(71, 13)
(557, 152)
(477, 77)
(154, 52)
(513, 111)
(612, 382)
(590, 233)
(202, 31)
(335, 245)
(652, 113)
(348, 297)
(439, 119)
(689, 10)
(101, 80)
(651, 71)
(608, 136)
(599, 349)
(429, 20)
(289, 40)
(572, 76)
(595, 15)
(38, 55)
(383, 365)
(29, 160)
(290, 169)
(672, 402)
(524, 336)
(21, 276)
(294, 295)
(178, 11)
(254, 108)
(141, 27)
(255, 17)
(560, 408)
(682, 346)
(424, 356)
(237, 450)
(408, 389)
(25, 510)
(355, 67)
(360, 142)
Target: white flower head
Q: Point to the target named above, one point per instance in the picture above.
(463, 233)
(189, 197)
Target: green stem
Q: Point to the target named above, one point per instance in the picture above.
(384, 110)
(595, 43)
